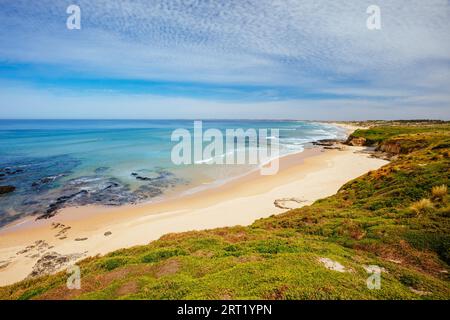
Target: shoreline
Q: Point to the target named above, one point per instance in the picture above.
(117, 173)
(80, 232)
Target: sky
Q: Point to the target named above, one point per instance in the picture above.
(259, 59)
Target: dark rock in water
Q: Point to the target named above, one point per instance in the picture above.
(59, 203)
(23, 172)
(29, 202)
(144, 178)
(46, 180)
(161, 175)
(90, 190)
(326, 142)
(101, 169)
(7, 189)
(11, 171)
(148, 191)
(39, 191)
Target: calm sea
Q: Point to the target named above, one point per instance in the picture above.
(57, 163)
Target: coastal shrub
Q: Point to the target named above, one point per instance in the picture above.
(275, 246)
(27, 295)
(439, 193)
(112, 263)
(159, 255)
(352, 229)
(233, 250)
(437, 242)
(422, 206)
(410, 280)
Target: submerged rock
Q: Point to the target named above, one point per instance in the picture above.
(104, 190)
(102, 169)
(7, 189)
(161, 174)
(11, 171)
(46, 180)
(39, 189)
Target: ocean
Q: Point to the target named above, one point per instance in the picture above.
(58, 163)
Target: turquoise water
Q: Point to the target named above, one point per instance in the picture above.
(51, 159)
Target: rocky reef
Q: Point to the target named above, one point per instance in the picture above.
(43, 186)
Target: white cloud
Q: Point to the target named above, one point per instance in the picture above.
(314, 46)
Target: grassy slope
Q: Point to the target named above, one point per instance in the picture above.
(368, 222)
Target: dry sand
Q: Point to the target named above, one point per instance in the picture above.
(86, 231)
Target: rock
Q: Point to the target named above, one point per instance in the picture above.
(334, 148)
(332, 265)
(81, 239)
(326, 142)
(161, 175)
(144, 178)
(59, 203)
(46, 180)
(108, 233)
(56, 225)
(7, 189)
(101, 169)
(41, 196)
(148, 191)
(390, 147)
(52, 262)
(355, 141)
(11, 171)
(62, 233)
(287, 203)
(39, 246)
(4, 264)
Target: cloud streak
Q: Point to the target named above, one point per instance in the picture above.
(260, 50)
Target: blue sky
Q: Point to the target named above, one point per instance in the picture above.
(225, 59)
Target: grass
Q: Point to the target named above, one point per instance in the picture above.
(422, 206)
(439, 193)
(396, 217)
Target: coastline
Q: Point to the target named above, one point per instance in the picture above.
(80, 232)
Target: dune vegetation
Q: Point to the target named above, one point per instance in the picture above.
(395, 218)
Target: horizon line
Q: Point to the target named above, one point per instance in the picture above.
(213, 119)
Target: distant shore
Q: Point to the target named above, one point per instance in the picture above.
(79, 232)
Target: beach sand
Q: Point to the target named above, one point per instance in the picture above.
(80, 232)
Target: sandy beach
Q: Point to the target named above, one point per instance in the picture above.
(79, 232)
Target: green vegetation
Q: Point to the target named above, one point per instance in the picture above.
(411, 136)
(396, 217)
